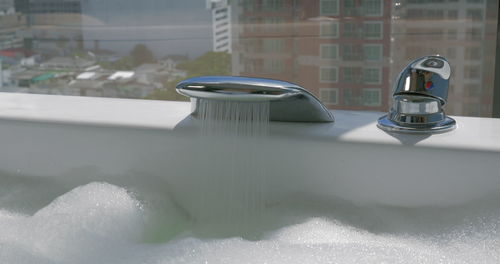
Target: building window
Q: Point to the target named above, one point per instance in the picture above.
(272, 5)
(347, 96)
(473, 90)
(373, 29)
(350, 30)
(329, 29)
(273, 65)
(473, 34)
(351, 52)
(329, 51)
(329, 7)
(329, 96)
(373, 7)
(473, 53)
(272, 45)
(475, 14)
(328, 74)
(372, 75)
(372, 52)
(350, 8)
(351, 74)
(472, 72)
(371, 97)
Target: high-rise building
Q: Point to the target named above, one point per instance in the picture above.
(54, 26)
(11, 24)
(48, 6)
(460, 30)
(221, 25)
(338, 50)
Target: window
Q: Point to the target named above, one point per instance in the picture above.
(351, 75)
(473, 34)
(371, 97)
(373, 29)
(328, 74)
(351, 30)
(328, 96)
(350, 8)
(352, 52)
(329, 29)
(373, 7)
(472, 72)
(272, 45)
(473, 53)
(329, 51)
(355, 44)
(475, 14)
(372, 52)
(272, 5)
(372, 75)
(347, 97)
(329, 7)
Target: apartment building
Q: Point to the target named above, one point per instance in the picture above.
(338, 50)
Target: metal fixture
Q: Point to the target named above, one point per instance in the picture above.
(288, 102)
(420, 92)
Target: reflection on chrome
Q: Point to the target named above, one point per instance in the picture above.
(289, 102)
(420, 93)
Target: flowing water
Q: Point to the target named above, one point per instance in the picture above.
(236, 176)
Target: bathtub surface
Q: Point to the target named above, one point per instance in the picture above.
(53, 136)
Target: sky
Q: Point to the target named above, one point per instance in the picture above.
(165, 26)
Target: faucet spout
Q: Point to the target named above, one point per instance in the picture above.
(288, 102)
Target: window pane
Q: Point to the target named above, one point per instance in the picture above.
(329, 7)
(329, 51)
(141, 49)
(328, 74)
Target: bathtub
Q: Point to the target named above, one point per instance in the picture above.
(52, 144)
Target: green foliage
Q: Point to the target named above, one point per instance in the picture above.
(169, 94)
(210, 63)
(142, 54)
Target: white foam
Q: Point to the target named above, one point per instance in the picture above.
(103, 223)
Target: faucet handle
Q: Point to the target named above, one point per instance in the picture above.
(420, 92)
(426, 76)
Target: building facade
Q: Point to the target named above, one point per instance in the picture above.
(338, 50)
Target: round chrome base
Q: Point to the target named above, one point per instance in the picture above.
(445, 125)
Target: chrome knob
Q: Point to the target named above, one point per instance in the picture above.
(420, 93)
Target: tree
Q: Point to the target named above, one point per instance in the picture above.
(142, 54)
(210, 63)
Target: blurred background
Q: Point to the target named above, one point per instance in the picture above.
(346, 52)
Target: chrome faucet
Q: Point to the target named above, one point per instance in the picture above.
(420, 92)
(288, 102)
